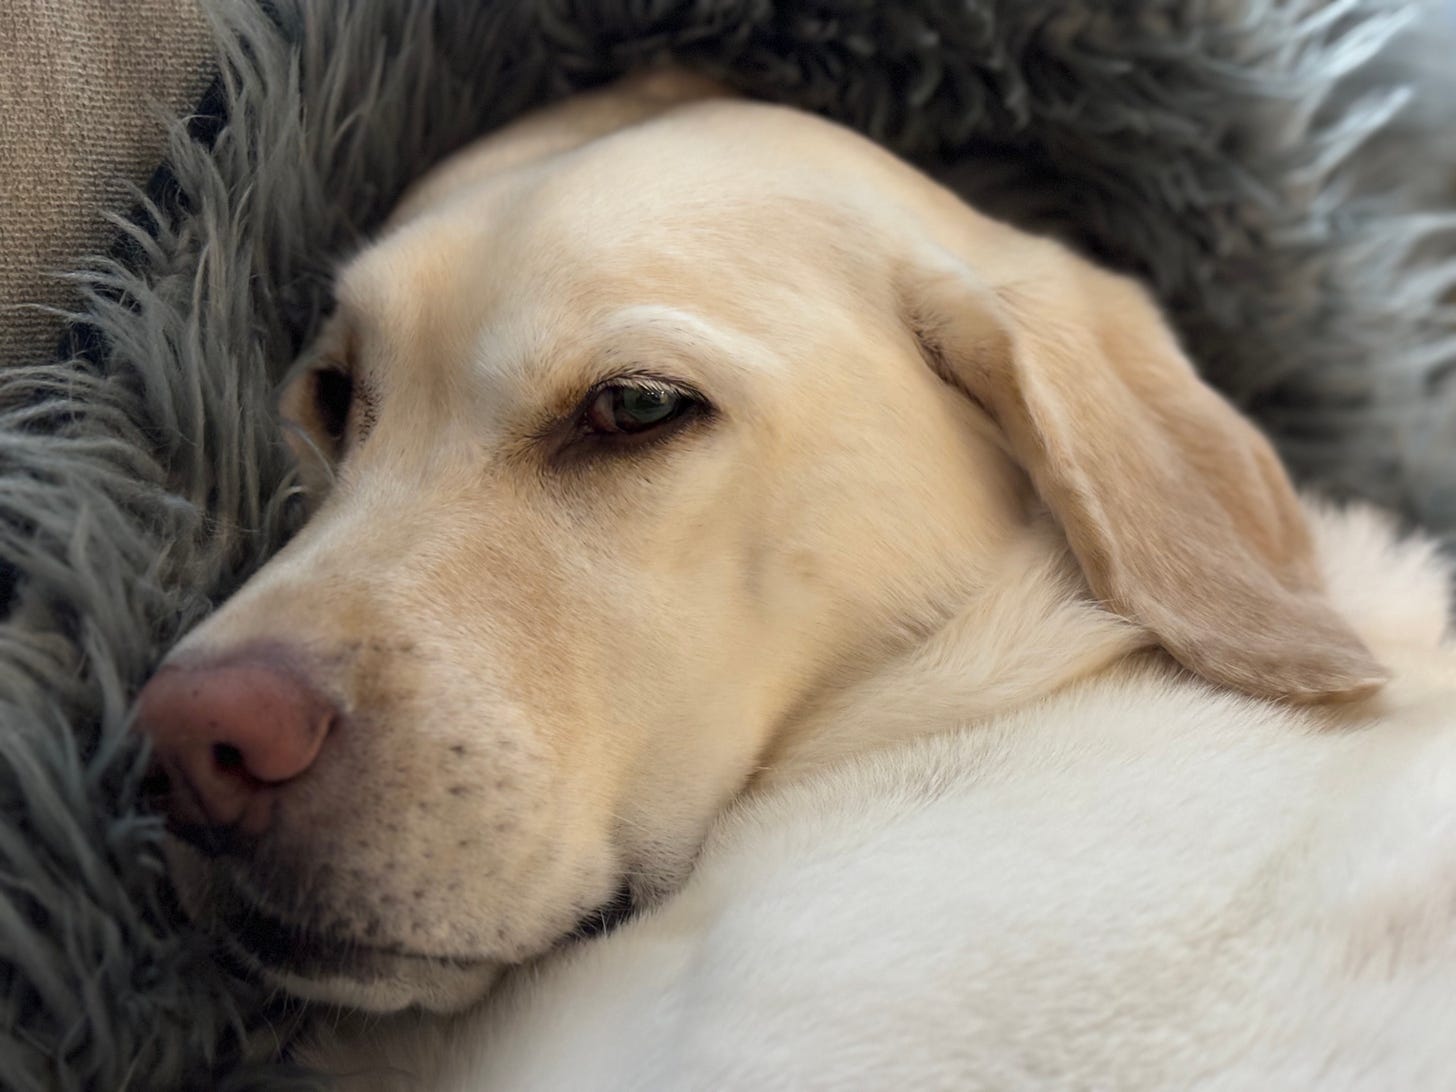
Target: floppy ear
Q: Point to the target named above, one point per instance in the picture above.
(1178, 511)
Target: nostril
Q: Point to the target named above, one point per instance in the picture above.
(228, 758)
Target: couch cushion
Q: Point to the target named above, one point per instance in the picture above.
(80, 121)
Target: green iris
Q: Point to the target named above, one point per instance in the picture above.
(637, 408)
(633, 407)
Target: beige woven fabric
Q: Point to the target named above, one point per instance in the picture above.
(83, 87)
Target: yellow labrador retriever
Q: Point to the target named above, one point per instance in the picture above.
(674, 451)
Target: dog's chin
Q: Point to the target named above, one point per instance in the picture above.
(321, 966)
(344, 971)
(392, 986)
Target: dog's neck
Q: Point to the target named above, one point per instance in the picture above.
(1029, 629)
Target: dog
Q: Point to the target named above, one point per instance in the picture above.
(701, 491)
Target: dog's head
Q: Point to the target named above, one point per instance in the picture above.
(626, 447)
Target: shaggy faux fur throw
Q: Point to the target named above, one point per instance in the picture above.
(1259, 162)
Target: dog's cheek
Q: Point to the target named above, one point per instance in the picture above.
(490, 849)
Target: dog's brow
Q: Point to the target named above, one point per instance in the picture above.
(684, 330)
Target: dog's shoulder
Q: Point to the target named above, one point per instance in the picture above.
(1396, 591)
(1099, 871)
(1394, 588)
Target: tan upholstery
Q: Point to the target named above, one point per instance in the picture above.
(84, 85)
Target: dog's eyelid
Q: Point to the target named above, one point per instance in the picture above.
(567, 432)
(645, 380)
(642, 379)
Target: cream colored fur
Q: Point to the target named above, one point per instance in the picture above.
(943, 604)
(1140, 882)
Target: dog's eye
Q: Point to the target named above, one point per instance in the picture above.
(333, 396)
(635, 408)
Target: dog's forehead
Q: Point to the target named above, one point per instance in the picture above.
(722, 182)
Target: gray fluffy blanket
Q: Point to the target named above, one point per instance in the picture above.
(1259, 162)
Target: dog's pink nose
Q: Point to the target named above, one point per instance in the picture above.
(225, 733)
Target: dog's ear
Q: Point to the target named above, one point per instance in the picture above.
(1178, 511)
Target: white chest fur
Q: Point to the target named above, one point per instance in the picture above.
(1141, 882)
